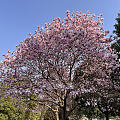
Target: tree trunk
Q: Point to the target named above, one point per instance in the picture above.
(62, 114)
(63, 110)
(107, 117)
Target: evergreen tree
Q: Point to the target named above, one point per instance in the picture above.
(116, 45)
(117, 26)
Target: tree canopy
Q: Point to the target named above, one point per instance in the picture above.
(65, 59)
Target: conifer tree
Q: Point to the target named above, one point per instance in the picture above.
(116, 45)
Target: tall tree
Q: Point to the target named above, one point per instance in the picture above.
(117, 26)
(116, 45)
(45, 63)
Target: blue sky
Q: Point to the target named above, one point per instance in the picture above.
(20, 17)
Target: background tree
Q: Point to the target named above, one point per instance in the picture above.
(115, 76)
(16, 108)
(10, 108)
(116, 45)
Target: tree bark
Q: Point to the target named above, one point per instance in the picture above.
(63, 109)
(107, 117)
(63, 114)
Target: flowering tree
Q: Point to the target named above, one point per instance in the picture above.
(45, 63)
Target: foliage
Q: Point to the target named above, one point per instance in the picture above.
(9, 110)
(116, 45)
(49, 115)
(32, 111)
(117, 26)
(14, 108)
(106, 99)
